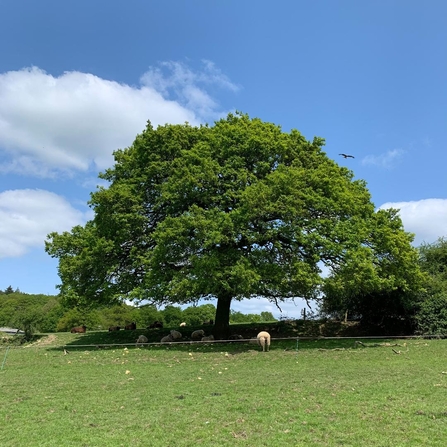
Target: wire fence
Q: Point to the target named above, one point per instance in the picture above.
(211, 342)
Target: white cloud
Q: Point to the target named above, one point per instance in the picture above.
(386, 160)
(28, 215)
(171, 76)
(174, 79)
(75, 121)
(426, 218)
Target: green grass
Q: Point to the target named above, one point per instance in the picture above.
(326, 393)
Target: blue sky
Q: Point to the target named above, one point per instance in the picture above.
(80, 79)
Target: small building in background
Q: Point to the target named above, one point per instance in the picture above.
(11, 331)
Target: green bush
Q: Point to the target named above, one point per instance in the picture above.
(196, 315)
(432, 316)
(79, 317)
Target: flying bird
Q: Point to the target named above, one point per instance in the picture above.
(347, 155)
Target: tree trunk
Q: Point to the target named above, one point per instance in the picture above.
(222, 322)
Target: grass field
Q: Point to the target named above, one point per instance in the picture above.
(314, 393)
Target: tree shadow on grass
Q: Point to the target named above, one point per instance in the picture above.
(286, 336)
(127, 339)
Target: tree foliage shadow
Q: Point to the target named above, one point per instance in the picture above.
(289, 335)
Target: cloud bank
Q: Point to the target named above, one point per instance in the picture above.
(59, 126)
(28, 215)
(426, 218)
(75, 121)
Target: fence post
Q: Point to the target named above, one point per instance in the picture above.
(4, 360)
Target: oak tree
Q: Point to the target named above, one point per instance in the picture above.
(240, 209)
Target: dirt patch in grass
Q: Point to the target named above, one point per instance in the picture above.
(44, 341)
(49, 340)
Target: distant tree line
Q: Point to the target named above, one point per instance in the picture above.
(47, 313)
(9, 290)
(29, 313)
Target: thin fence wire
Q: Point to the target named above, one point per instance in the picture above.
(245, 340)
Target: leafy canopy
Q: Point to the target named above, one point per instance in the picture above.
(378, 279)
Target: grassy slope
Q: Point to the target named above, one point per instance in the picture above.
(325, 393)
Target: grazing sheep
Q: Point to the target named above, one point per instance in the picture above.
(176, 335)
(78, 330)
(114, 328)
(208, 338)
(182, 324)
(235, 337)
(131, 327)
(208, 323)
(197, 335)
(166, 339)
(142, 339)
(156, 324)
(264, 340)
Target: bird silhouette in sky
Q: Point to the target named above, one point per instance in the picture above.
(347, 155)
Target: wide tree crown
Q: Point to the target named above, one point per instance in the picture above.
(240, 209)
